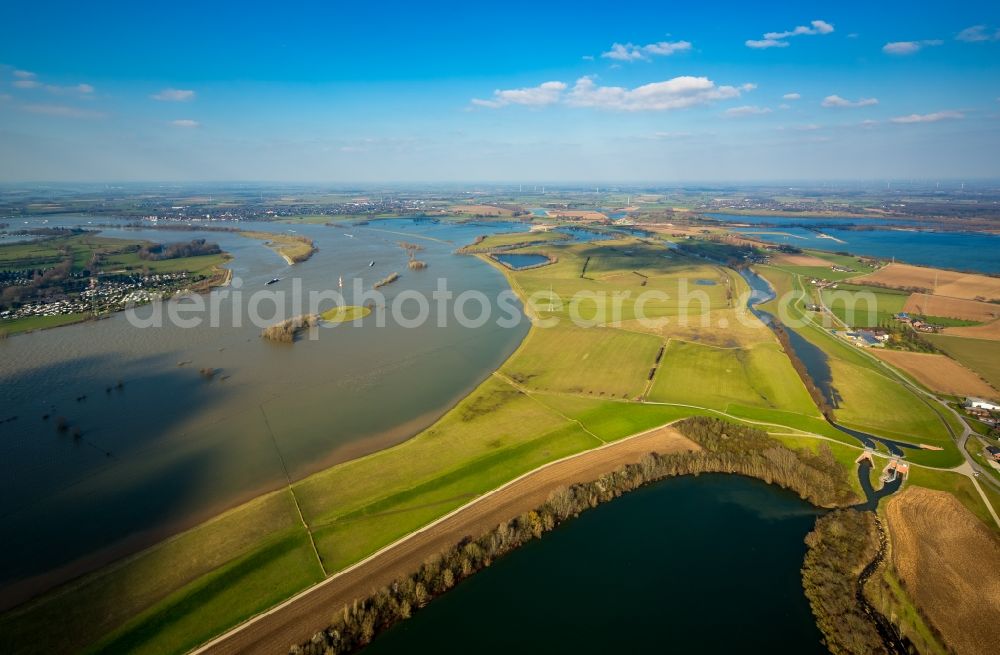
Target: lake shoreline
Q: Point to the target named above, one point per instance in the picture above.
(308, 612)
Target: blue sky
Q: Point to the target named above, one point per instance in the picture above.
(398, 92)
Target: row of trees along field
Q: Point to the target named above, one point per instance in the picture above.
(726, 448)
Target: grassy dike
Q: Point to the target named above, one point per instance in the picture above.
(722, 447)
(565, 390)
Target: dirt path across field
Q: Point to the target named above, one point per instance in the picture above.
(296, 620)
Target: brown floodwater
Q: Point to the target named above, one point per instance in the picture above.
(172, 446)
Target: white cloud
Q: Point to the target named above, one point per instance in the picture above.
(676, 93)
(909, 47)
(777, 39)
(837, 101)
(185, 122)
(977, 33)
(632, 52)
(61, 110)
(28, 80)
(929, 118)
(766, 43)
(747, 110)
(544, 94)
(174, 95)
(792, 96)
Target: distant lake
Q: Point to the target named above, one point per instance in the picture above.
(706, 564)
(583, 234)
(520, 261)
(809, 220)
(968, 251)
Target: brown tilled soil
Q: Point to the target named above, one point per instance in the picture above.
(800, 260)
(941, 282)
(989, 331)
(582, 214)
(938, 373)
(275, 631)
(970, 310)
(950, 564)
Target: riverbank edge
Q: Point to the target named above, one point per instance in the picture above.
(220, 277)
(116, 563)
(360, 621)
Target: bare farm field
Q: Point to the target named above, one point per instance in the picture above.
(938, 373)
(938, 281)
(800, 260)
(990, 331)
(949, 563)
(482, 210)
(970, 310)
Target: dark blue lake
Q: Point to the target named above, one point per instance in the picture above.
(520, 261)
(971, 251)
(807, 220)
(706, 564)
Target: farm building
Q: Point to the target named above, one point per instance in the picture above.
(864, 339)
(979, 403)
(993, 453)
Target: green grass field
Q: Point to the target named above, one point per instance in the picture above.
(825, 272)
(861, 306)
(345, 313)
(29, 323)
(594, 361)
(518, 238)
(980, 355)
(706, 376)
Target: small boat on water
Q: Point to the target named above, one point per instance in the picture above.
(371, 263)
(349, 236)
(272, 281)
(340, 282)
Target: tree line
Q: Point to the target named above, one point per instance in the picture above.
(842, 544)
(194, 248)
(726, 448)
